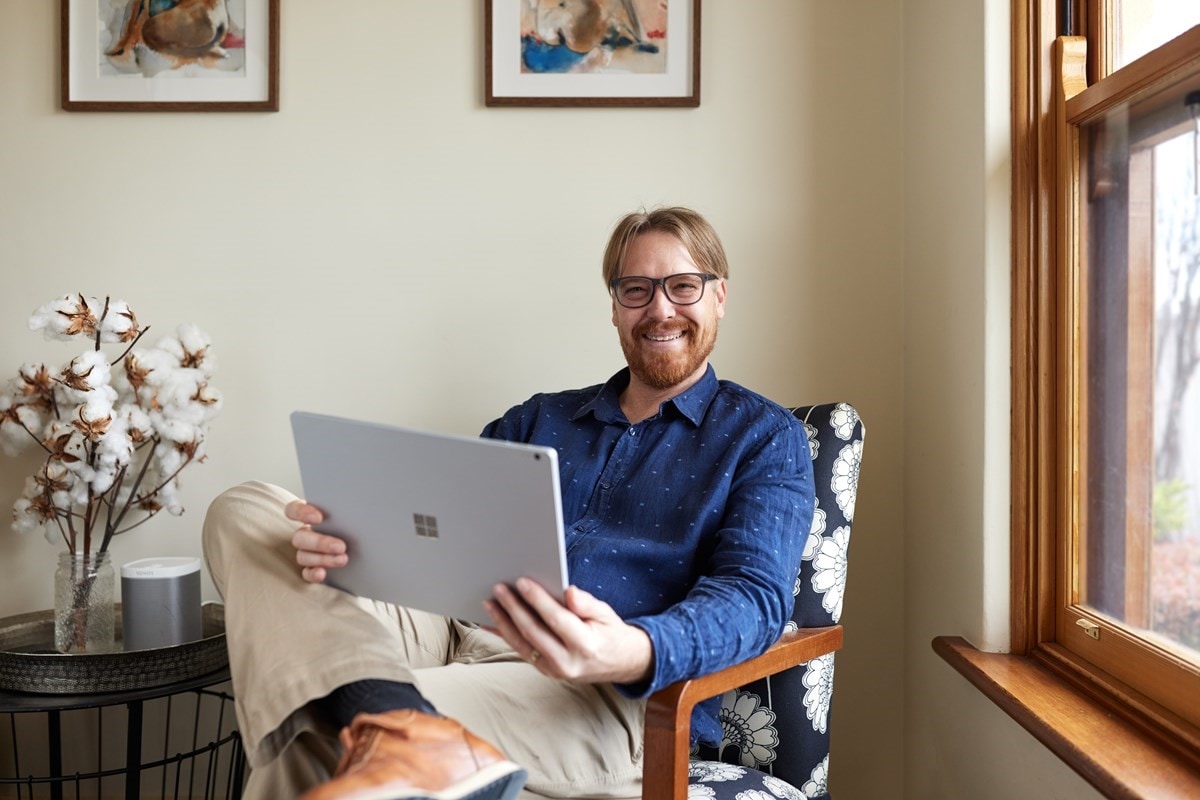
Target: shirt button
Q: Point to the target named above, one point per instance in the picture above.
(633, 432)
(604, 486)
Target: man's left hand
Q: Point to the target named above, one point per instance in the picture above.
(581, 639)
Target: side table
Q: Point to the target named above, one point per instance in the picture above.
(165, 714)
(210, 765)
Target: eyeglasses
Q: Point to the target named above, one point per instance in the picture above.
(682, 289)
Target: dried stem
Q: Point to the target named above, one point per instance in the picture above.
(121, 357)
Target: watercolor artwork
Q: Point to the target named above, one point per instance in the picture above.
(170, 55)
(172, 38)
(594, 36)
(592, 52)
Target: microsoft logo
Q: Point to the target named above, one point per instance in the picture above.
(426, 525)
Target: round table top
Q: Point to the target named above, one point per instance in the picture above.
(14, 702)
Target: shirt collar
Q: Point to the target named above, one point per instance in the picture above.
(692, 403)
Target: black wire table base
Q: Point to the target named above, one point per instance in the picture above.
(175, 742)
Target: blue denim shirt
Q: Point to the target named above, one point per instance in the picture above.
(690, 524)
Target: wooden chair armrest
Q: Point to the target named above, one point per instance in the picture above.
(669, 711)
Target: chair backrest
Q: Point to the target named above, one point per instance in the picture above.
(780, 725)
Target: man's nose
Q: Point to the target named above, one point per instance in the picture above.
(660, 306)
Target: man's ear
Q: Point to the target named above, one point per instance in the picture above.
(720, 291)
(614, 313)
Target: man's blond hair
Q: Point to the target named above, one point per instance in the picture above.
(685, 224)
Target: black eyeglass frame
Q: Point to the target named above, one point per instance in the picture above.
(655, 283)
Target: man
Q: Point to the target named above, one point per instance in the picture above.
(687, 500)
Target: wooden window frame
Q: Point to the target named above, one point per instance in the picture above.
(1164, 677)
(1123, 741)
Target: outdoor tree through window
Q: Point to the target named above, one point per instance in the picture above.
(1140, 311)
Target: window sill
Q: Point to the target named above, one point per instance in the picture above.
(1118, 756)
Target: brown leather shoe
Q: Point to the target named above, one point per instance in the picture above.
(407, 754)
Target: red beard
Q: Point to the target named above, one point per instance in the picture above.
(664, 370)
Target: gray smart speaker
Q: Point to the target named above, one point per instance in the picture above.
(160, 602)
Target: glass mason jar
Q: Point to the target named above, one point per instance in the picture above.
(84, 611)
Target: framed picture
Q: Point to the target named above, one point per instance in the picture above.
(170, 55)
(592, 52)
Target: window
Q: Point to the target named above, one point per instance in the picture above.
(1106, 341)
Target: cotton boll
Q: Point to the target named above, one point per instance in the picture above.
(210, 400)
(187, 420)
(31, 488)
(97, 362)
(67, 445)
(103, 480)
(178, 387)
(34, 383)
(116, 447)
(169, 458)
(60, 481)
(29, 512)
(113, 452)
(105, 477)
(168, 496)
(67, 317)
(24, 521)
(96, 408)
(94, 365)
(31, 417)
(174, 430)
(172, 347)
(192, 338)
(80, 491)
(120, 324)
(197, 347)
(87, 372)
(158, 364)
(137, 422)
(27, 521)
(120, 375)
(14, 438)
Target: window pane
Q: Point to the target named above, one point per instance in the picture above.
(1140, 545)
(1142, 25)
(1175, 554)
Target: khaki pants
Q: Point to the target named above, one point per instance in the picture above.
(291, 642)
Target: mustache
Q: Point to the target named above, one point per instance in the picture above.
(663, 329)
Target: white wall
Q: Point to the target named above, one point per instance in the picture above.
(956, 399)
(386, 247)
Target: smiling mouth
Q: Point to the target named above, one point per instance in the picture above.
(664, 337)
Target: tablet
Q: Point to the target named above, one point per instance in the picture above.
(432, 521)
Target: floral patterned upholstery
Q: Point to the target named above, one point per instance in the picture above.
(776, 742)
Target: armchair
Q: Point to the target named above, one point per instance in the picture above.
(775, 708)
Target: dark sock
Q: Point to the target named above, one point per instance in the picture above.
(373, 697)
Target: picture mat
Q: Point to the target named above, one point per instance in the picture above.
(509, 81)
(86, 85)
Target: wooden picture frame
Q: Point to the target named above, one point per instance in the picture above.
(639, 53)
(199, 55)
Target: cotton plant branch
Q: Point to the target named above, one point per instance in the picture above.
(116, 433)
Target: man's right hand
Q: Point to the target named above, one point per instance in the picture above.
(315, 552)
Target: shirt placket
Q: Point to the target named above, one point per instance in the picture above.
(608, 481)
